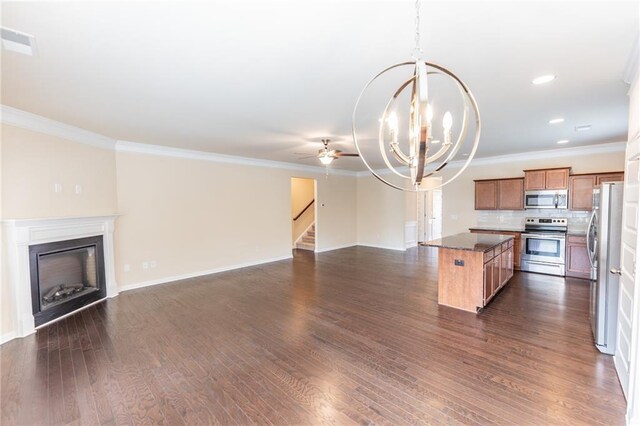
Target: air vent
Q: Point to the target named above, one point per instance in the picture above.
(583, 128)
(18, 42)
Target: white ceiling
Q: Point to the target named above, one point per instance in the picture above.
(267, 79)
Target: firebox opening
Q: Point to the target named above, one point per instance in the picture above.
(65, 276)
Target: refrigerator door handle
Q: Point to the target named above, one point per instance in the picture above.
(589, 248)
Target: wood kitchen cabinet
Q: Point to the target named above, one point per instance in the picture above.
(511, 194)
(609, 177)
(581, 188)
(546, 179)
(499, 194)
(516, 245)
(577, 257)
(486, 195)
(498, 270)
(472, 269)
(581, 192)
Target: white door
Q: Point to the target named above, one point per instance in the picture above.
(424, 231)
(628, 256)
(436, 214)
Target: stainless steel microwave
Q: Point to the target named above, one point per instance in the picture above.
(547, 199)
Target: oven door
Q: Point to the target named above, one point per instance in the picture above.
(544, 248)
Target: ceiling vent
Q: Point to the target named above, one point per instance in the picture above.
(583, 128)
(18, 42)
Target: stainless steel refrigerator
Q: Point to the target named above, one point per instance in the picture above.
(603, 244)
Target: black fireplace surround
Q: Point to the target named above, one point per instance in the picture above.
(65, 276)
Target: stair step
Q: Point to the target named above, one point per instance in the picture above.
(308, 240)
(303, 246)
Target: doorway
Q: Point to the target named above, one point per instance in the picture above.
(429, 215)
(303, 214)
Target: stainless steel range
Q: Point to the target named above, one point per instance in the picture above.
(544, 242)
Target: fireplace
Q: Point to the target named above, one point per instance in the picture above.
(65, 276)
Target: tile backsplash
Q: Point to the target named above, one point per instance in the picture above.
(578, 221)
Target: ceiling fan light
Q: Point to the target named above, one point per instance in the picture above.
(326, 160)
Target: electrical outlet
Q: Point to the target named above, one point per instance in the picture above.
(153, 264)
(126, 267)
(145, 265)
(78, 188)
(57, 188)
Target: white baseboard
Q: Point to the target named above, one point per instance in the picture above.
(383, 247)
(4, 338)
(335, 248)
(200, 273)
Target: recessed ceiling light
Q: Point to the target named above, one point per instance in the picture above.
(544, 79)
(583, 128)
(563, 141)
(556, 120)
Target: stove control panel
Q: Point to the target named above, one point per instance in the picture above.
(557, 221)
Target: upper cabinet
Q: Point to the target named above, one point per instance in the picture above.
(581, 191)
(511, 194)
(500, 194)
(609, 177)
(546, 179)
(581, 188)
(486, 194)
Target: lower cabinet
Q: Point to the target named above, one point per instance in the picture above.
(517, 244)
(578, 264)
(498, 269)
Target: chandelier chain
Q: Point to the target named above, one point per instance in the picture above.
(417, 50)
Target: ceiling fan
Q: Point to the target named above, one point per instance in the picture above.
(326, 155)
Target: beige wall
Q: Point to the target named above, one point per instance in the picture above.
(458, 196)
(32, 163)
(302, 193)
(190, 216)
(381, 214)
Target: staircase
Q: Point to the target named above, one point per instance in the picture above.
(308, 239)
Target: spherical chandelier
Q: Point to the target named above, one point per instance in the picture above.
(427, 156)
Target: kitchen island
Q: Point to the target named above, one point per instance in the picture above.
(472, 268)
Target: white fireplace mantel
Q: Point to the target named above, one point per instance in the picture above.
(19, 234)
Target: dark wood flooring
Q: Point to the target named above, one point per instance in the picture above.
(349, 336)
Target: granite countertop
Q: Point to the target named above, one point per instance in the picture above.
(497, 228)
(470, 241)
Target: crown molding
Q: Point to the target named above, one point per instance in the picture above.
(166, 151)
(631, 69)
(26, 120)
(526, 156)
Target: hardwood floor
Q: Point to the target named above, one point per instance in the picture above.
(344, 337)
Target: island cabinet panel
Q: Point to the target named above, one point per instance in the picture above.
(470, 269)
(460, 279)
(581, 192)
(577, 257)
(609, 177)
(546, 179)
(486, 195)
(516, 244)
(511, 194)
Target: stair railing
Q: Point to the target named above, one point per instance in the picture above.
(304, 210)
